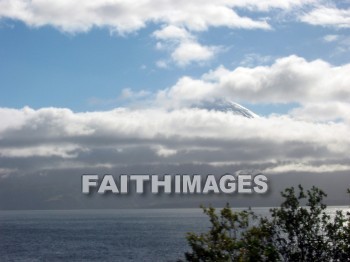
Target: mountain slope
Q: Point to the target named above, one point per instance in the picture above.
(226, 106)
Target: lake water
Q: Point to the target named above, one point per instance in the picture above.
(100, 235)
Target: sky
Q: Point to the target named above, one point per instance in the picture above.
(107, 84)
(47, 53)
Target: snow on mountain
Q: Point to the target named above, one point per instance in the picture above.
(226, 106)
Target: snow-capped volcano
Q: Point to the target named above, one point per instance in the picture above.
(226, 106)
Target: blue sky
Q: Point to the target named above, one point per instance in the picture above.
(45, 66)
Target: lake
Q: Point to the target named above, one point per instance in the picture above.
(101, 235)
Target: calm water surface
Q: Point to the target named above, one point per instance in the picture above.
(100, 235)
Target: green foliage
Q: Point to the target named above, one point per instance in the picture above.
(232, 237)
(299, 230)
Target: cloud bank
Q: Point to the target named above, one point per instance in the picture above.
(328, 16)
(292, 79)
(53, 138)
(126, 16)
(179, 21)
(176, 127)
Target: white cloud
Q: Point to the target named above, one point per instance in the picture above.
(341, 41)
(62, 151)
(54, 138)
(185, 47)
(266, 5)
(343, 45)
(126, 16)
(179, 20)
(161, 64)
(326, 111)
(165, 152)
(331, 38)
(300, 167)
(319, 89)
(128, 93)
(328, 16)
(253, 59)
(189, 51)
(288, 80)
(172, 32)
(315, 132)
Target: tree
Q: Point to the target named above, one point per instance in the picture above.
(299, 230)
(233, 236)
